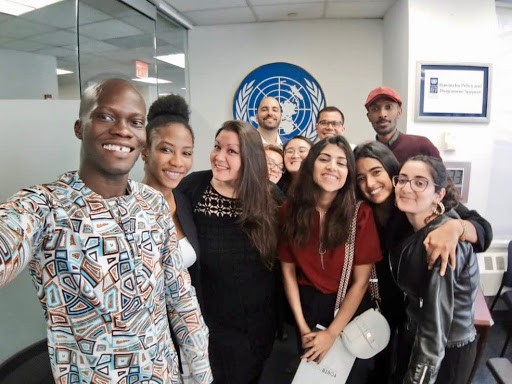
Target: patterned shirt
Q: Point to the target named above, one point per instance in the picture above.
(107, 273)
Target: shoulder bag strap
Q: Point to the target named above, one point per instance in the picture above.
(349, 259)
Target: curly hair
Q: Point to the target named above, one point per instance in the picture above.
(167, 110)
(441, 180)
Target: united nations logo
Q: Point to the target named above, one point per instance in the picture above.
(299, 94)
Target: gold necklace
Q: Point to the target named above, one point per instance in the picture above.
(321, 249)
(321, 252)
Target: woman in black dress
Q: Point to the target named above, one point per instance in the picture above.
(235, 215)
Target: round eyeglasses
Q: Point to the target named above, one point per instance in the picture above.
(272, 165)
(418, 184)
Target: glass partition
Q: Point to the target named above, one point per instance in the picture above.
(55, 51)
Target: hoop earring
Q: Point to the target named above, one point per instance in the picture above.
(439, 209)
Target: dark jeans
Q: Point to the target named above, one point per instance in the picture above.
(318, 308)
(455, 368)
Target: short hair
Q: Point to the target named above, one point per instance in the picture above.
(331, 109)
(440, 177)
(275, 148)
(90, 96)
(166, 110)
(270, 97)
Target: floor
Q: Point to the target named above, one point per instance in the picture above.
(279, 368)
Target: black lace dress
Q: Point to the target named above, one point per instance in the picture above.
(238, 291)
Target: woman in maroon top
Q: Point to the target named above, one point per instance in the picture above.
(315, 224)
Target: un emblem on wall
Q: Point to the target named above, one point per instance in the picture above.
(299, 94)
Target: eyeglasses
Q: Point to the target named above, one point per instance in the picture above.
(418, 184)
(335, 124)
(272, 165)
(300, 150)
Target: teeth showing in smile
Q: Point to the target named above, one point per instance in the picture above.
(173, 175)
(117, 148)
(375, 191)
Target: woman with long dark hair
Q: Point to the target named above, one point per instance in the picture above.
(235, 215)
(315, 222)
(438, 339)
(375, 167)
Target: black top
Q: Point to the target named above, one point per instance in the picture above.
(238, 290)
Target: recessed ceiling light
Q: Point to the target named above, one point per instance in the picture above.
(184, 89)
(19, 7)
(63, 71)
(177, 59)
(152, 80)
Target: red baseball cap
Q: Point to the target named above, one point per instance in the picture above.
(390, 93)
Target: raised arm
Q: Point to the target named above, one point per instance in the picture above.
(23, 225)
(442, 242)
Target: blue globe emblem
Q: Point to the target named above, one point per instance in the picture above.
(299, 94)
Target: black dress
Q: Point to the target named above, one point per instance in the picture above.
(238, 291)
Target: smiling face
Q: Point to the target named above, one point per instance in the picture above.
(330, 123)
(169, 157)
(330, 170)
(275, 165)
(417, 204)
(269, 114)
(112, 133)
(296, 150)
(225, 158)
(373, 180)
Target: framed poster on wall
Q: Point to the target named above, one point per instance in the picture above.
(453, 92)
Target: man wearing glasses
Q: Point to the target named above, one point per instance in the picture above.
(384, 107)
(269, 118)
(329, 122)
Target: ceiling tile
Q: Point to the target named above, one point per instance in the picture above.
(55, 51)
(280, 12)
(93, 46)
(108, 29)
(23, 45)
(221, 16)
(19, 28)
(61, 15)
(283, 2)
(201, 5)
(366, 9)
(56, 38)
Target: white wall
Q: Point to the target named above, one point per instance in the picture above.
(37, 145)
(462, 31)
(344, 56)
(27, 75)
(396, 53)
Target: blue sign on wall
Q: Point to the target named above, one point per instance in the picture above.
(299, 94)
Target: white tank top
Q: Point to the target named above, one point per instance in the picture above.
(187, 252)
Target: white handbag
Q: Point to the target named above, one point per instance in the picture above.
(369, 333)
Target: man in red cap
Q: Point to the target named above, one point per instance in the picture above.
(384, 107)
